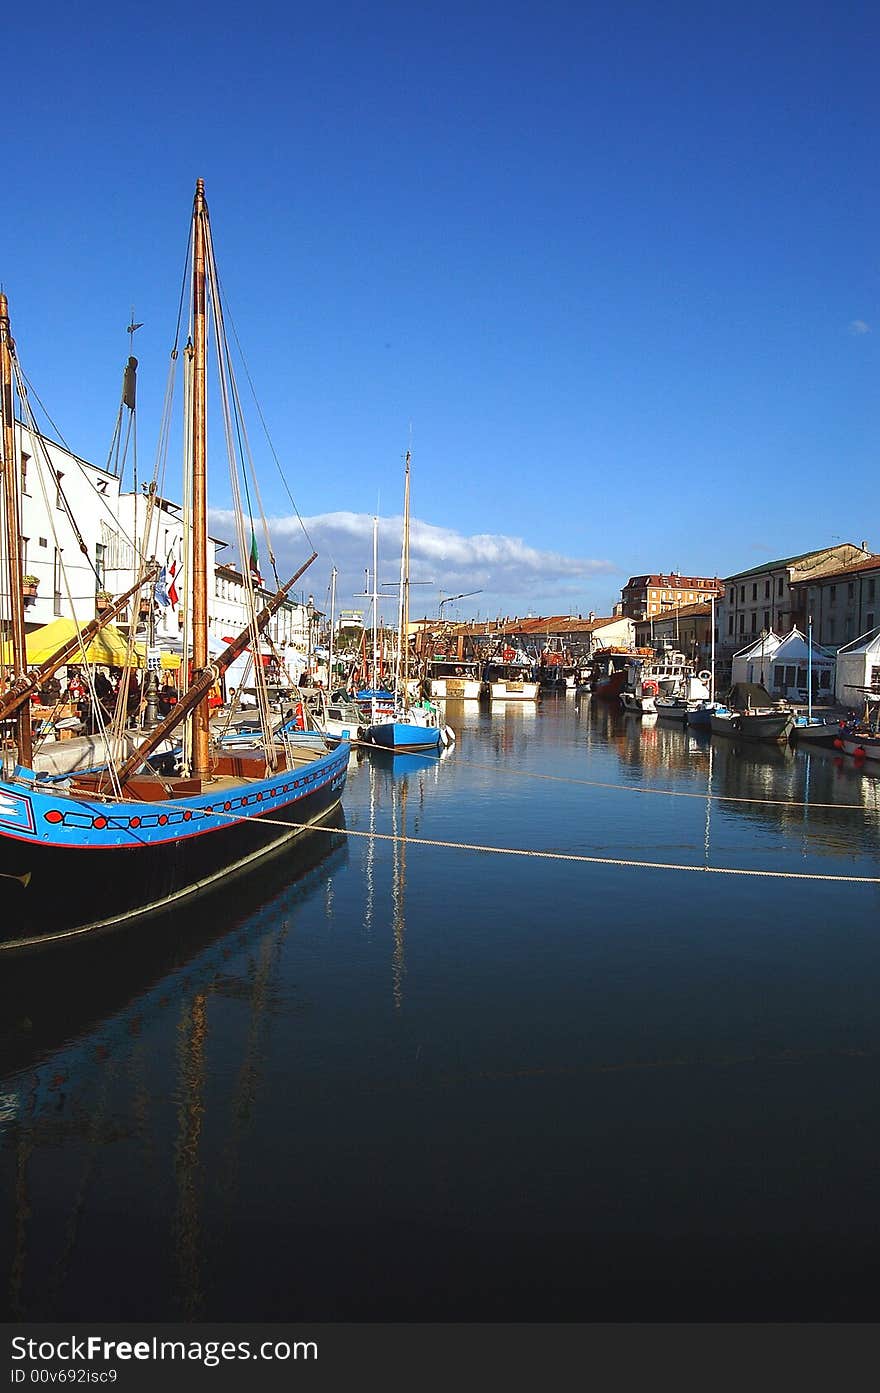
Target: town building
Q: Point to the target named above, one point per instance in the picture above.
(843, 604)
(688, 630)
(65, 502)
(646, 597)
(774, 594)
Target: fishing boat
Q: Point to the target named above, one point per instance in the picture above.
(454, 679)
(860, 737)
(166, 812)
(412, 725)
(509, 677)
(809, 729)
(750, 714)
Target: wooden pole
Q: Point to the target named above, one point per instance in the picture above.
(201, 717)
(13, 534)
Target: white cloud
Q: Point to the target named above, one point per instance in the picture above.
(511, 576)
(858, 326)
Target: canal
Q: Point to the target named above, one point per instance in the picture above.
(397, 1078)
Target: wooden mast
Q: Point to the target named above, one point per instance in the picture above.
(201, 716)
(403, 639)
(13, 535)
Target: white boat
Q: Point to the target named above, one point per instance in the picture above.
(510, 681)
(690, 696)
(455, 679)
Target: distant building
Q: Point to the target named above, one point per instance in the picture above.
(643, 597)
(843, 604)
(688, 630)
(773, 595)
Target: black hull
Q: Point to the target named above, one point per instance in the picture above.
(72, 891)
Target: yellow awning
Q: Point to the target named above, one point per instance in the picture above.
(108, 648)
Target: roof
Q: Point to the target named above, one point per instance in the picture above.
(694, 611)
(786, 561)
(870, 563)
(673, 580)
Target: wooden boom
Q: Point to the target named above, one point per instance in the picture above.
(202, 684)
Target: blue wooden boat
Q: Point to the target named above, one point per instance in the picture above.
(90, 851)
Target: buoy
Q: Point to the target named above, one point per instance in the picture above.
(444, 738)
(838, 743)
(450, 732)
(858, 753)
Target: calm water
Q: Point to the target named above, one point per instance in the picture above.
(415, 1082)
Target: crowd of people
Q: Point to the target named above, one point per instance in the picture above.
(69, 688)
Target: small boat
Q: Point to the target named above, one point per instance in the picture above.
(752, 715)
(691, 695)
(454, 679)
(861, 736)
(509, 681)
(412, 726)
(809, 729)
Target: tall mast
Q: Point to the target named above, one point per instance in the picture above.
(201, 716)
(375, 682)
(403, 640)
(11, 514)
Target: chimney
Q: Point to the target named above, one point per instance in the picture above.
(864, 546)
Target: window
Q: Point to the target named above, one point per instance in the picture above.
(850, 590)
(732, 594)
(870, 620)
(779, 585)
(730, 624)
(825, 677)
(778, 677)
(100, 550)
(742, 594)
(755, 591)
(56, 583)
(875, 679)
(832, 594)
(766, 619)
(24, 555)
(25, 461)
(766, 590)
(754, 622)
(870, 589)
(801, 677)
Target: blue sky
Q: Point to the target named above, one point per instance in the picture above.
(612, 270)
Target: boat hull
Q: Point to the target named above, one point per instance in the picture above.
(455, 688)
(89, 865)
(774, 727)
(401, 735)
(512, 691)
(815, 733)
(862, 746)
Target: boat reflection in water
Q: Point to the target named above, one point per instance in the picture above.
(89, 1053)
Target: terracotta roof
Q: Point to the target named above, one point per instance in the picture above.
(671, 580)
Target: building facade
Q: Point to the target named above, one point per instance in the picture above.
(648, 597)
(772, 596)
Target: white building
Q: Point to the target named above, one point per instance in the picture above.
(64, 502)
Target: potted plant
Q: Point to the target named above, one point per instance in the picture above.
(29, 588)
(102, 600)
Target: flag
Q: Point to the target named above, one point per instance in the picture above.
(160, 590)
(173, 596)
(255, 560)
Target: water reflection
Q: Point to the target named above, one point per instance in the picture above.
(99, 1091)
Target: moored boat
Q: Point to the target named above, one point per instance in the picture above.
(168, 811)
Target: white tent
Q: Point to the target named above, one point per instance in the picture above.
(858, 666)
(752, 664)
(780, 665)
